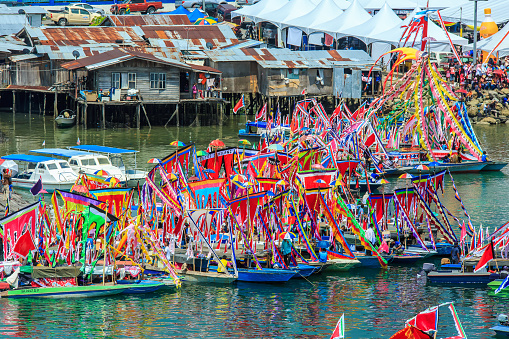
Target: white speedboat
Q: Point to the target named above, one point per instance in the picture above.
(54, 173)
(85, 162)
(133, 176)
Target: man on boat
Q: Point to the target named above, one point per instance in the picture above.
(370, 236)
(6, 181)
(221, 268)
(455, 253)
(322, 255)
(398, 248)
(286, 250)
(484, 157)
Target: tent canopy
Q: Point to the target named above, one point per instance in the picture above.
(291, 10)
(325, 11)
(343, 4)
(396, 4)
(464, 12)
(353, 16)
(195, 15)
(180, 10)
(264, 6)
(384, 20)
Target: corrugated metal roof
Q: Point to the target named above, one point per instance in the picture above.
(28, 9)
(21, 57)
(149, 19)
(11, 23)
(79, 36)
(285, 58)
(117, 56)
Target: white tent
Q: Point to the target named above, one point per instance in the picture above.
(490, 43)
(291, 10)
(343, 4)
(325, 11)
(395, 4)
(264, 6)
(353, 16)
(464, 12)
(384, 20)
(439, 4)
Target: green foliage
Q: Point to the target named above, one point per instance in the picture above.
(98, 20)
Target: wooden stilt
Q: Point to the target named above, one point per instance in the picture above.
(85, 122)
(30, 105)
(138, 116)
(103, 122)
(13, 102)
(55, 105)
(44, 105)
(146, 115)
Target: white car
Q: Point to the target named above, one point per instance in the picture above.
(89, 8)
(199, 3)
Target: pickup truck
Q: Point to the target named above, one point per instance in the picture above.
(73, 16)
(130, 6)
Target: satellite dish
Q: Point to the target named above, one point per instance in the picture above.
(21, 11)
(26, 51)
(209, 45)
(76, 54)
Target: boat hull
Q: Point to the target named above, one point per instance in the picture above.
(65, 122)
(406, 259)
(66, 292)
(467, 278)
(342, 265)
(48, 186)
(265, 275)
(193, 277)
(494, 166)
(502, 331)
(453, 168)
(142, 287)
(367, 261)
(303, 271)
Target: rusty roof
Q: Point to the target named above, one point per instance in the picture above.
(33, 88)
(285, 58)
(205, 68)
(116, 56)
(148, 19)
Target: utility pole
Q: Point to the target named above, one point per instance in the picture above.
(475, 30)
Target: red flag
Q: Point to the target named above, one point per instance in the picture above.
(303, 92)
(487, 256)
(410, 332)
(383, 247)
(329, 40)
(239, 104)
(370, 140)
(24, 245)
(262, 113)
(463, 233)
(425, 321)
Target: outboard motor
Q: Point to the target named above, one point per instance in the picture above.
(503, 319)
(426, 268)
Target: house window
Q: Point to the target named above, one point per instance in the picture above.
(157, 80)
(132, 80)
(115, 80)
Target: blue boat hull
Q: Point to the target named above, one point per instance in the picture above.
(265, 275)
(406, 259)
(303, 271)
(371, 261)
(501, 330)
(140, 287)
(458, 278)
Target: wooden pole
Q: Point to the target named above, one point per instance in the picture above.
(55, 105)
(44, 105)
(30, 105)
(103, 122)
(138, 116)
(178, 119)
(13, 102)
(85, 122)
(146, 116)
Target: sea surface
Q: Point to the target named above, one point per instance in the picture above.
(376, 303)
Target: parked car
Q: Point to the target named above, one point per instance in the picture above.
(199, 3)
(73, 16)
(241, 3)
(89, 8)
(224, 13)
(142, 6)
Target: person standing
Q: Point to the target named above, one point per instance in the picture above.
(6, 181)
(455, 253)
(286, 250)
(195, 90)
(370, 236)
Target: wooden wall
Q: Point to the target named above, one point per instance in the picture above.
(102, 79)
(238, 77)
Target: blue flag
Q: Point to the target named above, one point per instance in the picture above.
(503, 285)
(37, 187)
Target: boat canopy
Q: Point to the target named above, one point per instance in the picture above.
(263, 124)
(39, 272)
(104, 149)
(27, 157)
(61, 152)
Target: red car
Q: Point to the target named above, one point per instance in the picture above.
(143, 6)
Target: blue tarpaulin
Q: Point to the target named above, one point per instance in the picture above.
(104, 149)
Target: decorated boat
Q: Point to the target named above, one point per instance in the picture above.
(140, 286)
(88, 291)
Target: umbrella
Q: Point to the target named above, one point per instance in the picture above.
(287, 235)
(335, 183)
(217, 143)
(238, 177)
(244, 142)
(276, 147)
(434, 163)
(201, 153)
(270, 194)
(318, 166)
(323, 244)
(113, 181)
(153, 161)
(499, 72)
(281, 182)
(320, 181)
(102, 172)
(177, 143)
(205, 21)
(208, 170)
(461, 91)
(421, 167)
(382, 181)
(406, 176)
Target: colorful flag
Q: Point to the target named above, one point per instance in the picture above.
(487, 256)
(24, 245)
(426, 321)
(339, 331)
(503, 285)
(37, 187)
(303, 92)
(262, 114)
(15, 225)
(78, 142)
(44, 143)
(238, 106)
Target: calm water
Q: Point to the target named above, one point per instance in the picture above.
(376, 303)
